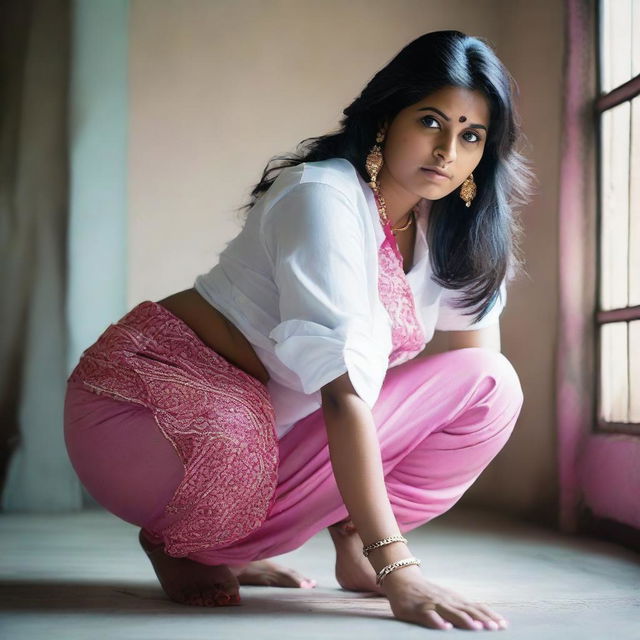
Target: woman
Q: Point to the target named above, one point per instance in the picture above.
(287, 392)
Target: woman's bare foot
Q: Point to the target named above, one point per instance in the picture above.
(189, 582)
(353, 571)
(270, 574)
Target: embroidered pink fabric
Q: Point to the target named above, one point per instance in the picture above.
(219, 419)
(407, 334)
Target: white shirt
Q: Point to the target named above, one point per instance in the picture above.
(300, 281)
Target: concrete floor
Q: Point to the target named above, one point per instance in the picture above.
(84, 576)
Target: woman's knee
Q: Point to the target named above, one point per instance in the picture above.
(485, 362)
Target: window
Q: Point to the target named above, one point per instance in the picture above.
(617, 112)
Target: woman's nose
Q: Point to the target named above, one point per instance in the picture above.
(446, 150)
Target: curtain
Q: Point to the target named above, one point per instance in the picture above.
(35, 473)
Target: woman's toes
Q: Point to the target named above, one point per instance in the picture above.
(223, 599)
(220, 599)
(266, 573)
(291, 578)
(208, 600)
(299, 582)
(211, 598)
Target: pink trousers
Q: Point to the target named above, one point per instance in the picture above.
(440, 421)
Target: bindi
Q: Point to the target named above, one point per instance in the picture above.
(463, 119)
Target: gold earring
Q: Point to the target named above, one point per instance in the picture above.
(468, 190)
(374, 161)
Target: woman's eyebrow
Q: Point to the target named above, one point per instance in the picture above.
(476, 126)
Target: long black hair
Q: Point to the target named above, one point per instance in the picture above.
(472, 248)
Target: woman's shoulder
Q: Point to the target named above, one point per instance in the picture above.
(314, 200)
(329, 169)
(338, 173)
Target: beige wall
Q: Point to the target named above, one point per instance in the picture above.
(217, 88)
(524, 479)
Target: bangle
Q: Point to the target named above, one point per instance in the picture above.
(381, 543)
(393, 566)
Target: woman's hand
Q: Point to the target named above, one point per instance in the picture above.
(414, 599)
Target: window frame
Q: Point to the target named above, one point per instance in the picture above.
(605, 101)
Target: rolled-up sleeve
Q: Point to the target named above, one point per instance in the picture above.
(315, 238)
(451, 318)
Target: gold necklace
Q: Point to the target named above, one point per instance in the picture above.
(382, 211)
(406, 226)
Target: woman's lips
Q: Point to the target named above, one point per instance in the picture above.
(432, 175)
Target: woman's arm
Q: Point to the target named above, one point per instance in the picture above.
(357, 466)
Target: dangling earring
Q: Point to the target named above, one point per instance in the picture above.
(468, 190)
(373, 162)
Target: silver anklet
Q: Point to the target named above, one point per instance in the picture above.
(381, 543)
(395, 565)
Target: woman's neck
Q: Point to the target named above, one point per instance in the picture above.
(398, 201)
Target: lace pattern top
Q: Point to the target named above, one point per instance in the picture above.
(407, 335)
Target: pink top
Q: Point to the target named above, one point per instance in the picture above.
(407, 336)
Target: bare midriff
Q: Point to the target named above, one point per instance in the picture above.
(216, 331)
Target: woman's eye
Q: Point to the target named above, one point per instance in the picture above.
(430, 118)
(476, 138)
(471, 133)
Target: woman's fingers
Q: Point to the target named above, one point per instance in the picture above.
(491, 614)
(439, 608)
(459, 618)
(478, 614)
(434, 620)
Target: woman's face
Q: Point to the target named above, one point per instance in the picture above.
(446, 129)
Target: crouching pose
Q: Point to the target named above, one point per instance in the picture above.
(289, 391)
